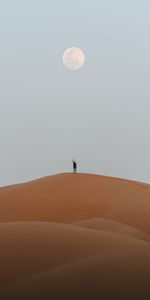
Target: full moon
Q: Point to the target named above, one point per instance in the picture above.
(73, 58)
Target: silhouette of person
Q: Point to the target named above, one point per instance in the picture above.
(74, 166)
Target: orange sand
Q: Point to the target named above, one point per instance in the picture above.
(75, 236)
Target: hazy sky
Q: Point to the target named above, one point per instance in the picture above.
(98, 115)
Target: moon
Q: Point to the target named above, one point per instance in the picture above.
(73, 58)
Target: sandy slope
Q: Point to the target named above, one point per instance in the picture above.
(70, 198)
(91, 278)
(71, 258)
(31, 247)
(75, 237)
(112, 226)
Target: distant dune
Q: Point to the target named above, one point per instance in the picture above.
(75, 237)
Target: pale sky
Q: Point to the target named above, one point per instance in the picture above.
(98, 115)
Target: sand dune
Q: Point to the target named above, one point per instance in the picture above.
(68, 256)
(70, 198)
(90, 278)
(112, 226)
(39, 246)
(75, 237)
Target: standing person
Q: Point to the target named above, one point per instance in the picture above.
(74, 166)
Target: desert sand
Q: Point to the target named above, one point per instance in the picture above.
(75, 236)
